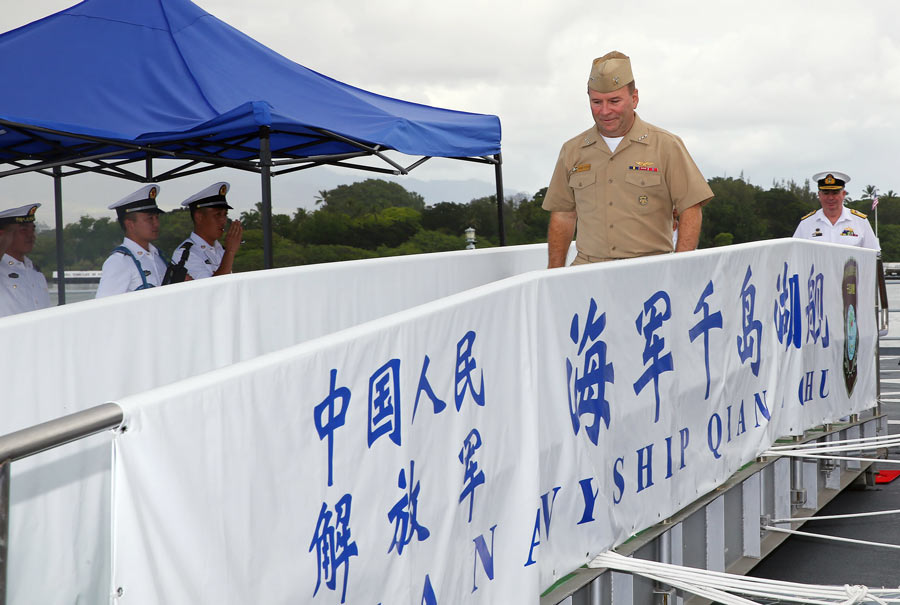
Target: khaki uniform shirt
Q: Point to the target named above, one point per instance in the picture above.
(624, 200)
(851, 229)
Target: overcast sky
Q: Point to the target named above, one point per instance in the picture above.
(773, 90)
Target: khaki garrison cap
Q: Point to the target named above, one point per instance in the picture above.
(610, 72)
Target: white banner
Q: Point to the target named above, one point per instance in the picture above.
(66, 359)
(477, 448)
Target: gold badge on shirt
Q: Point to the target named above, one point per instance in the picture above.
(648, 166)
(643, 200)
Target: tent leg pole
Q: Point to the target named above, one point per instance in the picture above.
(60, 262)
(265, 163)
(498, 176)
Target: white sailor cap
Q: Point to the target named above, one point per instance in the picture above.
(142, 200)
(211, 197)
(831, 181)
(22, 214)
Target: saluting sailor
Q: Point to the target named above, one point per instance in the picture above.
(24, 287)
(205, 256)
(136, 264)
(833, 222)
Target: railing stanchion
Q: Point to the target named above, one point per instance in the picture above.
(4, 527)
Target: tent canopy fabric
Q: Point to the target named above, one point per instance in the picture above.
(165, 73)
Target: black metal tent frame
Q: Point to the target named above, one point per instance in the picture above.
(115, 158)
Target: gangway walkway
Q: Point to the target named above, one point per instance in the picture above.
(798, 559)
(529, 343)
(813, 561)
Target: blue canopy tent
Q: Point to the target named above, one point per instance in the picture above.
(109, 86)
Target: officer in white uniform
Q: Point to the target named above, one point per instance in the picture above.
(834, 222)
(204, 255)
(136, 264)
(22, 285)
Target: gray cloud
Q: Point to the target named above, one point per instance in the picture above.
(776, 90)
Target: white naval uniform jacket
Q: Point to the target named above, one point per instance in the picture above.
(203, 259)
(23, 288)
(851, 229)
(120, 274)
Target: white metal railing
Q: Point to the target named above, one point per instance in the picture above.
(39, 438)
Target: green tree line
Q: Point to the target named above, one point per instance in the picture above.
(379, 218)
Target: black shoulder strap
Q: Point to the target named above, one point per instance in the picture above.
(186, 253)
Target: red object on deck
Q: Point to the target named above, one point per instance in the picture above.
(886, 476)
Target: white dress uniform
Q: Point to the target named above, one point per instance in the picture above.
(121, 275)
(203, 260)
(24, 288)
(851, 229)
(120, 272)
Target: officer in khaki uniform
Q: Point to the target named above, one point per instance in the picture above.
(833, 222)
(621, 179)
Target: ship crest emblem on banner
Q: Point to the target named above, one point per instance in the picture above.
(851, 329)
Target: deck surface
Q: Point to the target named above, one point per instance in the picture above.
(815, 561)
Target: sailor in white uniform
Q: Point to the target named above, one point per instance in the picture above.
(22, 285)
(204, 255)
(136, 264)
(834, 222)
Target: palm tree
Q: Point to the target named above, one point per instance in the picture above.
(870, 191)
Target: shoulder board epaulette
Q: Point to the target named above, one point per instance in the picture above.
(809, 215)
(857, 213)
